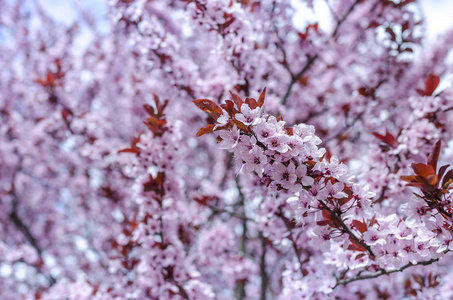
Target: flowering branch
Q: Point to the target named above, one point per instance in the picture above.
(384, 272)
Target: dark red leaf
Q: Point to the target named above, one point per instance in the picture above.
(423, 170)
(326, 214)
(261, 98)
(409, 178)
(442, 171)
(240, 125)
(434, 155)
(204, 200)
(133, 148)
(388, 138)
(149, 109)
(419, 280)
(421, 92)
(209, 106)
(431, 84)
(373, 220)
(204, 130)
(251, 103)
(325, 223)
(392, 33)
(373, 24)
(355, 246)
(237, 100)
(448, 179)
(361, 226)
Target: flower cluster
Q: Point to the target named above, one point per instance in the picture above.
(287, 160)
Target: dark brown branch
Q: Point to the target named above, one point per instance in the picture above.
(15, 218)
(240, 286)
(384, 272)
(345, 228)
(342, 130)
(296, 77)
(263, 273)
(312, 59)
(343, 18)
(293, 242)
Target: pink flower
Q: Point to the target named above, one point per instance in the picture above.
(230, 139)
(248, 115)
(263, 131)
(278, 143)
(302, 179)
(286, 176)
(332, 191)
(255, 161)
(372, 237)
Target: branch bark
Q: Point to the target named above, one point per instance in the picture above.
(384, 272)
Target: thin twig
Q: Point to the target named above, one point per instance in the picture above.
(263, 273)
(240, 286)
(345, 228)
(384, 272)
(343, 18)
(293, 242)
(295, 78)
(312, 59)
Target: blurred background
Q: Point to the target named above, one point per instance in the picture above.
(437, 13)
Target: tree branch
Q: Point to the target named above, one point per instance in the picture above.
(384, 272)
(312, 59)
(240, 286)
(293, 242)
(263, 273)
(345, 228)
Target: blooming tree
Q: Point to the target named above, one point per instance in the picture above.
(211, 149)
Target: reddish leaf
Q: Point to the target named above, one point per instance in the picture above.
(204, 200)
(409, 178)
(434, 155)
(251, 103)
(392, 33)
(204, 130)
(419, 280)
(304, 35)
(423, 170)
(133, 148)
(361, 226)
(159, 105)
(360, 256)
(431, 84)
(373, 220)
(421, 92)
(325, 223)
(261, 98)
(388, 138)
(448, 179)
(228, 23)
(155, 184)
(326, 214)
(149, 109)
(367, 91)
(237, 100)
(355, 246)
(155, 125)
(442, 171)
(228, 106)
(209, 106)
(373, 24)
(240, 125)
